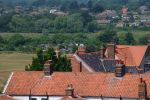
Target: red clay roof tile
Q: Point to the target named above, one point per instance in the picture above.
(85, 84)
(131, 55)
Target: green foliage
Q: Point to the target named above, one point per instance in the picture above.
(108, 35)
(59, 64)
(62, 64)
(17, 40)
(129, 39)
(143, 40)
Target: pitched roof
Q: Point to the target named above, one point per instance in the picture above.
(98, 64)
(131, 55)
(6, 97)
(85, 84)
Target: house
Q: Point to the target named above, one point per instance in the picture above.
(108, 74)
(103, 22)
(39, 85)
(124, 10)
(107, 14)
(120, 24)
(134, 58)
(143, 8)
(134, 24)
(57, 12)
(145, 20)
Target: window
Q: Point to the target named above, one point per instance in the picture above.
(44, 99)
(33, 99)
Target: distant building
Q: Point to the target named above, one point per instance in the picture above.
(58, 13)
(106, 15)
(124, 10)
(120, 25)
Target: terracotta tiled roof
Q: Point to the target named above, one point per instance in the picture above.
(85, 84)
(131, 55)
(5, 97)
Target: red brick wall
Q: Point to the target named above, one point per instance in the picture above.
(76, 65)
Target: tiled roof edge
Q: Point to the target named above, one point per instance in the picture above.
(7, 82)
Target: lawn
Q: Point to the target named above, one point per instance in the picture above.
(12, 61)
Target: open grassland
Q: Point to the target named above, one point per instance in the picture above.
(12, 61)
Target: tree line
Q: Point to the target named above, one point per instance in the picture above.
(78, 22)
(93, 41)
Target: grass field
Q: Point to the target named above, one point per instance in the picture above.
(12, 61)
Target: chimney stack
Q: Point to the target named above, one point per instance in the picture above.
(142, 92)
(102, 52)
(48, 69)
(70, 90)
(111, 51)
(81, 49)
(119, 69)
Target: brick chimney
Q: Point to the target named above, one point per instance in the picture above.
(142, 92)
(69, 90)
(81, 49)
(75, 64)
(102, 52)
(111, 51)
(48, 69)
(119, 69)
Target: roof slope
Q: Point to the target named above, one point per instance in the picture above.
(98, 64)
(131, 55)
(85, 84)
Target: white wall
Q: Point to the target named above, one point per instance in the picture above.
(37, 97)
(60, 98)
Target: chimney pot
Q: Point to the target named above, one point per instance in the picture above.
(70, 90)
(81, 49)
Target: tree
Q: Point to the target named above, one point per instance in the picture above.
(143, 40)
(16, 40)
(129, 39)
(62, 64)
(73, 5)
(92, 26)
(90, 4)
(37, 62)
(108, 35)
(97, 8)
(59, 64)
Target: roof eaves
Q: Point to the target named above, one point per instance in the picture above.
(9, 79)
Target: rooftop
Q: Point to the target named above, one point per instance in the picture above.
(85, 84)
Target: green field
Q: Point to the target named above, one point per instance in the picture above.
(12, 61)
